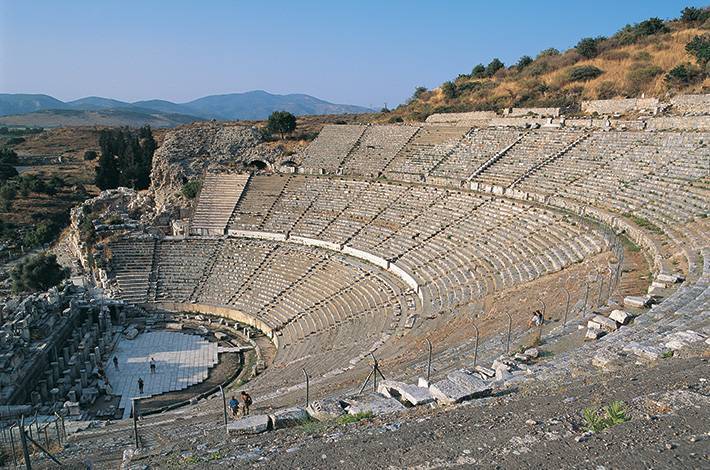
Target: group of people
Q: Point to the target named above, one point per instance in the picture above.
(240, 408)
(141, 384)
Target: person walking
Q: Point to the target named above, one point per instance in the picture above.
(140, 385)
(115, 362)
(246, 403)
(152, 365)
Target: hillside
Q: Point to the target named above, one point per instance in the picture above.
(160, 113)
(650, 58)
(132, 117)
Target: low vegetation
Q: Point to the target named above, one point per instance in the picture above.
(349, 419)
(597, 421)
(653, 57)
(37, 273)
(191, 189)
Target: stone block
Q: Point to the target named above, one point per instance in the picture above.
(249, 425)
(476, 386)
(288, 417)
(130, 332)
(485, 371)
(532, 353)
(645, 352)
(637, 301)
(669, 278)
(327, 408)
(409, 394)
(422, 382)
(594, 334)
(604, 323)
(373, 403)
(683, 339)
(448, 392)
(620, 316)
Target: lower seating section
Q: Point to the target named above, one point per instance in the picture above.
(425, 150)
(376, 148)
(312, 298)
(216, 202)
(331, 147)
(132, 265)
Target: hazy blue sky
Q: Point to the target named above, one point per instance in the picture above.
(358, 52)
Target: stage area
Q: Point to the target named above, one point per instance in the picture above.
(181, 360)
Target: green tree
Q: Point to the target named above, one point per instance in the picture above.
(694, 15)
(699, 47)
(479, 71)
(651, 26)
(8, 193)
(418, 92)
(191, 189)
(7, 172)
(37, 273)
(90, 155)
(281, 122)
(523, 62)
(588, 47)
(682, 75)
(584, 73)
(549, 52)
(448, 89)
(8, 156)
(494, 66)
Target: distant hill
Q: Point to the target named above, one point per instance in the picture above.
(132, 117)
(252, 105)
(651, 58)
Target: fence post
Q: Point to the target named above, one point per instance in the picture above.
(224, 405)
(12, 444)
(475, 348)
(564, 320)
(510, 328)
(305, 374)
(586, 296)
(135, 422)
(428, 366)
(23, 442)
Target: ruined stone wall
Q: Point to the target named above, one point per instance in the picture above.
(619, 105)
(542, 112)
(454, 118)
(689, 123)
(691, 104)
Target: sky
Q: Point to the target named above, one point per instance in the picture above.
(363, 52)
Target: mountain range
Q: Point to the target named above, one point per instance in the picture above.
(47, 111)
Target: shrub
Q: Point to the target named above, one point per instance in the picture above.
(8, 193)
(191, 189)
(548, 53)
(348, 419)
(699, 47)
(448, 89)
(682, 75)
(479, 71)
(588, 47)
(7, 172)
(694, 15)
(538, 67)
(419, 92)
(642, 56)
(523, 62)
(8, 156)
(43, 232)
(15, 140)
(90, 155)
(37, 273)
(584, 73)
(494, 66)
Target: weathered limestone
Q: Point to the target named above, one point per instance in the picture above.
(327, 408)
(249, 425)
(372, 403)
(637, 302)
(288, 417)
(603, 323)
(411, 394)
(620, 316)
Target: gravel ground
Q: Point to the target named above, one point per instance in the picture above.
(540, 426)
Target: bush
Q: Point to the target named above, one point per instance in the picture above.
(584, 73)
(90, 155)
(43, 232)
(588, 47)
(699, 47)
(448, 89)
(538, 67)
(8, 193)
(694, 15)
(191, 189)
(548, 53)
(418, 92)
(479, 71)
(8, 156)
(37, 273)
(683, 75)
(523, 62)
(494, 66)
(7, 172)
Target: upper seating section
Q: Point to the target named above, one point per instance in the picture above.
(376, 148)
(425, 150)
(215, 204)
(331, 147)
